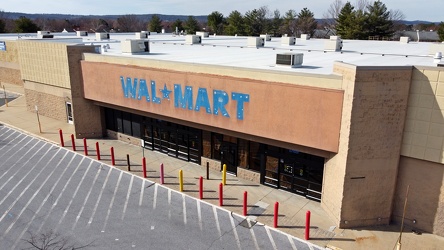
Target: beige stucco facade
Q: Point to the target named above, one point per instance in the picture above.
(380, 129)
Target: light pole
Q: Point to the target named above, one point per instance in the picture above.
(38, 118)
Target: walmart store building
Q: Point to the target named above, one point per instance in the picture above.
(347, 123)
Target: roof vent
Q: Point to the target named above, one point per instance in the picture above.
(293, 60)
(142, 34)
(202, 34)
(135, 46)
(81, 33)
(193, 39)
(404, 39)
(305, 37)
(437, 59)
(288, 40)
(266, 37)
(254, 41)
(102, 36)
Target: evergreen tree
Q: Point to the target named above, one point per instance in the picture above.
(441, 31)
(235, 24)
(191, 25)
(256, 21)
(155, 24)
(289, 23)
(378, 20)
(25, 25)
(276, 24)
(306, 23)
(351, 24)
(216, 22)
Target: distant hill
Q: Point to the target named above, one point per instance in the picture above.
(143, 17)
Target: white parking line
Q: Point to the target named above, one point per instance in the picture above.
(30, 200)
(236, 236)
(99, 168)
(24, 190)
(100, 196)
(292, 242)
(199, 214)
(112, 201)
(184, 210)
(73, 196)
(142, 189)
(271, 238)
(41, 205)
(127, 196)
(253, 235)
(217, 222)
(60, 194)
(155, 197)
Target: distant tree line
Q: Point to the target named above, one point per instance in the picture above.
(366, 19)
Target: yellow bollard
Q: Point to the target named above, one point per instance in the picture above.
(181, 180)
(224, 175)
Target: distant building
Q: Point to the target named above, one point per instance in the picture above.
(347, 123)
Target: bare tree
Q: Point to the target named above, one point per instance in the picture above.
(361, 5)
(52, 241)
(128, 23)
(332, 14)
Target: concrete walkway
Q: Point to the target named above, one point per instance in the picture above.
(261, 199)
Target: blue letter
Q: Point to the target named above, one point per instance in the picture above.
(202, 100)
(220, 99)
(143, 90)
(129, 87)
(153, 92)
(182, 101)
(240, 98)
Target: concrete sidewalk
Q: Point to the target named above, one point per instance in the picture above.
(261, 199)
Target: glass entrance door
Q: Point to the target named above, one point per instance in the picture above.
(271, 177)
(229, 156)
(69, 116)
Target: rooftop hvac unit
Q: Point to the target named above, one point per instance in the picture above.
(82, 33)
(288, 40)
(293, 60)
(135, 46)
(266, 37)
(404, 39)
(42, 32)
(255, 41)
(334, 44)
(142, 35)
(47, 36)
(202, 34)
(305, 37)
(102, 36)
(193, 39)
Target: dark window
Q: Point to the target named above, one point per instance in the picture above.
(119, 123)
(256, 149)
(206, 147)
(136, 121)
(126, 117)
(110, 120)
(217, 143)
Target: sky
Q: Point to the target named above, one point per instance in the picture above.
(429, 10)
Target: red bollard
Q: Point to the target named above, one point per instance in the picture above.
(307, 225)
(201, 188)
(161, 174)
(144, 167)
(245, 203)
(85, 146)
(276, 212)
(73, 142)
(221, 194)
(113, 161)
(98, 151)
(62, 142)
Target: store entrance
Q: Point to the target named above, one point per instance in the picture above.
(300, 175)
(173, 139)
(229, 156)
